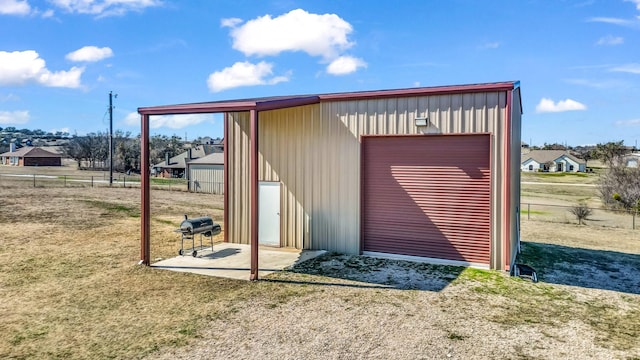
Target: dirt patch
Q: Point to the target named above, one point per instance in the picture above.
(394, 274)
(361, 307)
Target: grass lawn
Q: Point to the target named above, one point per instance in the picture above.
(561, 177)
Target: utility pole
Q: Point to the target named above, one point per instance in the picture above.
(111, 137)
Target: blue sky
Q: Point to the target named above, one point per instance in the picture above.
(578, 61)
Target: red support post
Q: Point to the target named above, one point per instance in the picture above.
(145, 206)
(226, 177)
(253, 190)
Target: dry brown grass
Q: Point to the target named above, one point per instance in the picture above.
(70, 288)
(69, 283)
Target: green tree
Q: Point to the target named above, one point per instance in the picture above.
(611, 153)
(555, 146)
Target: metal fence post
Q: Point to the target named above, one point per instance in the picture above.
(65, 181)
(528, 211)
(635, 213)
(34, 180)
(91, 181)
(124, 181)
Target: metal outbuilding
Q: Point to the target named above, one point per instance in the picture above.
(206, 174)
(421, 173)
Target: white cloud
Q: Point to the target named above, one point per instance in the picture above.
(230, 22)
(345, 65)
(48, 13)
(14, 117)
(628, 123)
(633, 68)
(610, 40)
(614, 21)
(636, 2)
(22, 67)
(132, 119)
(318, 35)
(104, 7)
(548, 105)
(90, 54)
(14, 7)
(169, 121)
(243, 74)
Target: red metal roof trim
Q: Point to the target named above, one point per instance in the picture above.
(287, 103)
(436, 90)
(198, 108)
(282, 102)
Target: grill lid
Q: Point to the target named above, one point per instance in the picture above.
(197, 225)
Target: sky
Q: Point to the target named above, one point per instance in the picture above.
(578, 61)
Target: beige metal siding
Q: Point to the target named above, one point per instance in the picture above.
(205, 178)
(288, 153)
(238, 178)
(314, 151)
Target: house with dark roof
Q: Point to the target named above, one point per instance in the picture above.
(175, 167)
(31, 156)
(551, 161)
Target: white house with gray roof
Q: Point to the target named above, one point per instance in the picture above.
(551, 161)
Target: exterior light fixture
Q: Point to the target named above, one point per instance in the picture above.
(422, 121)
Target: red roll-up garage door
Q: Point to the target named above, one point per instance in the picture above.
(427, 196)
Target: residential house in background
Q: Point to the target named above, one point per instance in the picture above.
(30, 156)
(175, 167)
(551, 161)
(632, 160)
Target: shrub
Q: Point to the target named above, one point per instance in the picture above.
(581, 211)
(620, 187)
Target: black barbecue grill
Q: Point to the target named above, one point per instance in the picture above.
(189, 228)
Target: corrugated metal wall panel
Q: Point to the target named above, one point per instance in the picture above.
(428, 196)
(238, 178)
(314, 151)
(206, 178)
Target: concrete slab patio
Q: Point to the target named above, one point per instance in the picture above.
(233, 261)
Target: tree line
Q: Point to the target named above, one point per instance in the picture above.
(91, 151)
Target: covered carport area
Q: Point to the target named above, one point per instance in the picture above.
(253, 107)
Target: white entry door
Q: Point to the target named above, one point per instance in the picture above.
(269, 213)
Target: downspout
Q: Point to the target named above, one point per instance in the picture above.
(253, 190)
(145, 206)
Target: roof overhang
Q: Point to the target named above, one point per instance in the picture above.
(282, 102)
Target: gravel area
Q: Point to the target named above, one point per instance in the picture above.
(354, 307)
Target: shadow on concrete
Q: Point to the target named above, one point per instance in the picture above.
(596, 269)
(221, 253)
(370, 272)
